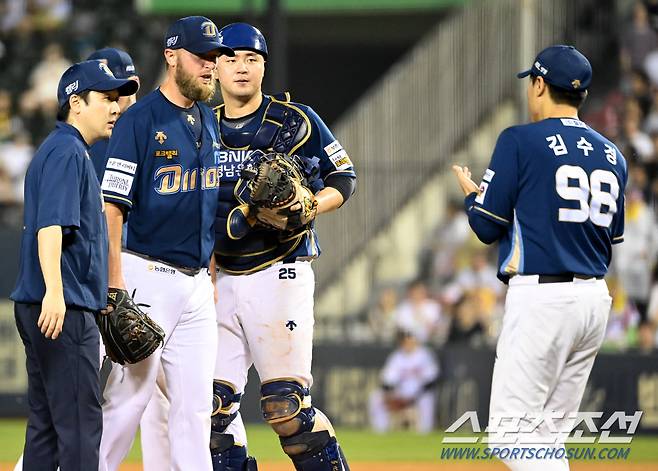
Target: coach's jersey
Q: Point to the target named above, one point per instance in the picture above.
(558, 187)
(262, 247)
(166, 175)
(61, 189)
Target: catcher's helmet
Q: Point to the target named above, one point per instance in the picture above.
(243, 36)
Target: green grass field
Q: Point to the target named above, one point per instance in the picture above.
(359, 445)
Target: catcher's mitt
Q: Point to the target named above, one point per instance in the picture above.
(129, 334)
(275, 188)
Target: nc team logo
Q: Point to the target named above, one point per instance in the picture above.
(209, 29)
(103, 66)
(72, 87)
(172, 41)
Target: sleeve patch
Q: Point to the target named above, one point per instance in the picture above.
(341, 160)
(483, 191)
(333, 148)
(122, 165)
(488, 175)
(116, 182)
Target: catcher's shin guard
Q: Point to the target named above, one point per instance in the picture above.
(322, 452)
(227, 456)
(305, 433)
(223, 399)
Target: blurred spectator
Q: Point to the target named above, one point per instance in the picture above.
(641, 90)
(638, 40)
(632, 131)
(634, 259)
(406, 396)
(646, 337)
(651, 121)
(419, 314)
(7, 196)
(42, 94)
(452, 233)
(9, 123)
(468, 324)
(15, 156)
(12, 13)
(480, 275)
(50, 14)
(623, 321)
(381, 317)
(652, 309)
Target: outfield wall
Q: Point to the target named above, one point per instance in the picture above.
(346, 375)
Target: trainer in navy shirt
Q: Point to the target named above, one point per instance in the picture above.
(62, 280)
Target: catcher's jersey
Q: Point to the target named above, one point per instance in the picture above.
(61, 189)
(557, 186)
(167, 178)
(262, 247)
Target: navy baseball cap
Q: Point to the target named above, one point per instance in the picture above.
(562, 66)
(196, 34)
(119, 62)
(91, 75)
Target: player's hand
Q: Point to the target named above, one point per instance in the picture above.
(467, 185)
(51, 319)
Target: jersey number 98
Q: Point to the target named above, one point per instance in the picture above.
(592, 192)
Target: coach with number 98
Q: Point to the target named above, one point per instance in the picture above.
(62, 280)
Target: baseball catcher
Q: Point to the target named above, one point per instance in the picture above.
(129, 334)
(275, 194)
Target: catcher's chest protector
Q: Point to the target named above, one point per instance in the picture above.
(285, 128)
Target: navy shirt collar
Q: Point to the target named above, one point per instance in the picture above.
(66, 128)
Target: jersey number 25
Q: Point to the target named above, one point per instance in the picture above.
(592, 192)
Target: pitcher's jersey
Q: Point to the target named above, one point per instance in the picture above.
(261, 247)
(167, 178)
(98, 152)
(558, 187)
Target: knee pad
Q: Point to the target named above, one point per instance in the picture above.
(227, 456)
(224, 396)
(314, 451)
(286, 406)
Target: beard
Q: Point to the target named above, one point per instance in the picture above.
(191, 89)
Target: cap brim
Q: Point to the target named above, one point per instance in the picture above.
(125, 87)
(523, 74)
(208, 46)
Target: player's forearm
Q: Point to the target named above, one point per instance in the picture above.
(114, 216)
(49, 241)
(329, 199)
(485, 229)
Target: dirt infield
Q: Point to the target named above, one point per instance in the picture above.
(423, 466)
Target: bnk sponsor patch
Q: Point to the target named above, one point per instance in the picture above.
(333, 148)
